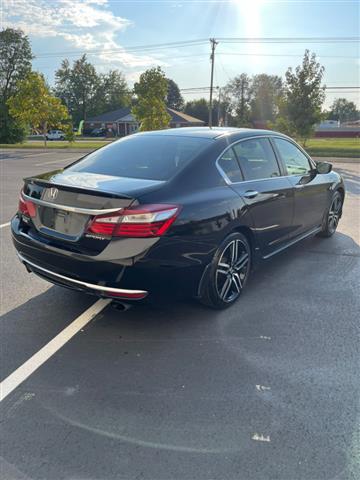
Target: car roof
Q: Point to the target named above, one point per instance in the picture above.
(207, 132)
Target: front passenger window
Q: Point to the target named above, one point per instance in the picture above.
(296, 162)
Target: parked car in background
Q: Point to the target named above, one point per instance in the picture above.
(98, 132)
(55, 135)
(188, 209)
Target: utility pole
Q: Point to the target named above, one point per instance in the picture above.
(212, 58)
(218, 109)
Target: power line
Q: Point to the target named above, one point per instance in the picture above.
(283, 55)
(202, 89)
(202, 41)
(289, 40)
(204, 55)
(126, 49)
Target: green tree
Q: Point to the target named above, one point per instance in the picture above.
(34, 105)
(266, 92)
(198, 109)
(113, 92)
(174, 98)
(87, 93)
(150, 109)
(304, 96)
(15, 64)
(282, 123)
(238, 95)
(343, 110)
(77, 86)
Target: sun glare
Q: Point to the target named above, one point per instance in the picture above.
(249, 15)
(249, 23)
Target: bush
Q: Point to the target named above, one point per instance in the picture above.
(69, 133)
(12, 131)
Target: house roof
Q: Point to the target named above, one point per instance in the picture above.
(111, 116)
(181, 117)
(118, 115)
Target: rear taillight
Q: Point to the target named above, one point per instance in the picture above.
(26, 207)
(141, 221)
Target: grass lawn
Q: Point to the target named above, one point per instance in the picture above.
(318, 147)
(334, 147)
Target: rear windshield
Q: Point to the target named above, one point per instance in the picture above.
(153, 157)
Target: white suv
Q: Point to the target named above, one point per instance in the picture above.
(55, 135)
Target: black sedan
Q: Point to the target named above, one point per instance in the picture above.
(186, 211)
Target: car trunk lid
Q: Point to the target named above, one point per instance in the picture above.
(65, 203)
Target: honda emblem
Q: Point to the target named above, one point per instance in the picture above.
(53, 193)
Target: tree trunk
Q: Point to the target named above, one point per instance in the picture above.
(45, 133)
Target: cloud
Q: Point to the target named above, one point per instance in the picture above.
(82, 24)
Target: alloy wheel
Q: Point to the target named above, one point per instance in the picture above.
(334, 213)
(232, 270)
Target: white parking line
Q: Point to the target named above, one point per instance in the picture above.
(40, 357)
(5, 225)
(261, 437)
(3, 158)
(55, 161)
(36, 154)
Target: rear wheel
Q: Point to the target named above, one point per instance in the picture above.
(332, 216)
(228, 273)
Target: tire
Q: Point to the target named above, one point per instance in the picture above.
(228, 273)
(332, 216)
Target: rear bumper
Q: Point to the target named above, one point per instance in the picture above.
(101, 290)
(168, 268)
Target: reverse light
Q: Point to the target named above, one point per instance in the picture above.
(142, 221)
(26, 207)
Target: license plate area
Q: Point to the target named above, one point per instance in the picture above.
(56, 221)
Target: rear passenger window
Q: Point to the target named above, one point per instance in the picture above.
(229, 165)
(296, 162)
(257, 159)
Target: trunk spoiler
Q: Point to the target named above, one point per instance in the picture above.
(72, 188)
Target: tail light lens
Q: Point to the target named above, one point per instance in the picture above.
(26, 207)
(142, 221)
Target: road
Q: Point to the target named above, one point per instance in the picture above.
(268, 389)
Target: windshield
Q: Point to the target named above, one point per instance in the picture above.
(152, 157)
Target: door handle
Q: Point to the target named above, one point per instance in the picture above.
(250, 194)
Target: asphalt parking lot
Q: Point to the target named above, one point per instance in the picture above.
(268, 389)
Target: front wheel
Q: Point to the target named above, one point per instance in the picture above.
(332, 216)
(228, 273)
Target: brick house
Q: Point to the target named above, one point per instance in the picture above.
(121, 122)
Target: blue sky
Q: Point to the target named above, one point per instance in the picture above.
(107, 29)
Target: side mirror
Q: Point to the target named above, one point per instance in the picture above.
(323, 167)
